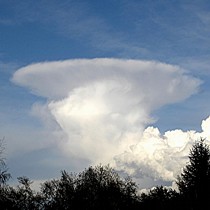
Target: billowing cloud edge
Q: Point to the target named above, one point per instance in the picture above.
(104, 104)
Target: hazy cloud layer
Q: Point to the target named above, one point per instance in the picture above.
(102, 106)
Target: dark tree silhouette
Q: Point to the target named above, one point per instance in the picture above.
(160, 197)
(22, 197)
(194, 181)
(100, 187)
(60, 193)
(4, 177)
(97, 187)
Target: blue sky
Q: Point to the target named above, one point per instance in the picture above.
(166, 32)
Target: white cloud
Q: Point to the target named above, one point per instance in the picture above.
(102, 107)
(64, 76)
(160, 156)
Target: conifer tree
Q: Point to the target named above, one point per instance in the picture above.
(194, 181)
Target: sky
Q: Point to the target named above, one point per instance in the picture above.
(119, 82)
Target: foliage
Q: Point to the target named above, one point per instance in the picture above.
(101, 187)
(22, 197)
(97, 187)
(164, 198)
(194, 181)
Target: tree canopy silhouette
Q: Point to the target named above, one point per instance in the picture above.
(194, 181)
(161, 197)
(101, 187)
(97, 187)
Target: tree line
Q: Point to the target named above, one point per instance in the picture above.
(101, 187)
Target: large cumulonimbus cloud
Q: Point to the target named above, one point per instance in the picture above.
(102, 107)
